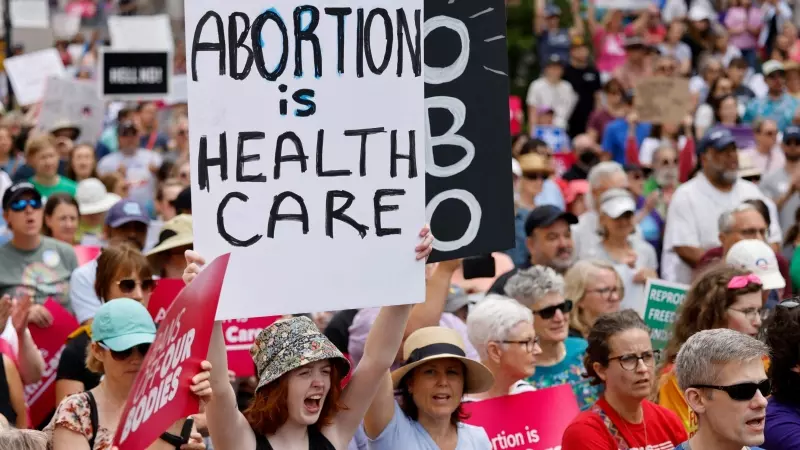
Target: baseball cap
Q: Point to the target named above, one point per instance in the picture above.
(126, 211)
(791, 132)
(772, 66)
(758, 257)
(717, 138)
(555, 60)
(457, 298)
(123, 323)
(17, 190)
(546, 215)
(574, 189)
(552, 11)
(635, 41)
(93, 198)
(616, 202)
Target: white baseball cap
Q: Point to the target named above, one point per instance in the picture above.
(616, 202)
(93, 198)
(757, 257)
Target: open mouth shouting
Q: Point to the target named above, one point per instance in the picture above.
(313, 403)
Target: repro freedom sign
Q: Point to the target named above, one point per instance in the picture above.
(307, 137)
(135, 74)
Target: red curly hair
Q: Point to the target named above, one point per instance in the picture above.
(269, 409)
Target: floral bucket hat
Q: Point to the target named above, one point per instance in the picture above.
(291, 343)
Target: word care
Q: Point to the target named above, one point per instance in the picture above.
(308, 136)
(139, 75)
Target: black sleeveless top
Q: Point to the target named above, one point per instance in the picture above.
(5, 396)
(316, 441)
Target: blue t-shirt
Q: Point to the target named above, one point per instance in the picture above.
(569, 371)
(616, 134)
(403, 432)
(782, 428)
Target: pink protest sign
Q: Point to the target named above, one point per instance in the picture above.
(160, 395)
(41, 396)
(85, 253)
(239, 337)
(167, 289)
(530, 421)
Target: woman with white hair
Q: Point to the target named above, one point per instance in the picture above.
(502, 332)
(561, 359)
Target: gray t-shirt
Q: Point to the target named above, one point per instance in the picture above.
(45, 271)
(775, 185)
(402, 432)
(140, 178)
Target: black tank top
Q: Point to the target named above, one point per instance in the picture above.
(316, 441)
(5, 396)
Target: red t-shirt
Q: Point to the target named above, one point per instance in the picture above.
(588, 432)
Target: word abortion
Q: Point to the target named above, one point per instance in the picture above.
(306, 20)
(291, 154)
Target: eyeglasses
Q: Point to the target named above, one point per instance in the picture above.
(741, 392)
(669, 162)
(125, 354)
(770, 133)
(528, 343)
(631, 361)
(20, 205)
(792, 142)
(605, 292)
(550, 311)
(128, 285)
(533, 176)
(749, 313)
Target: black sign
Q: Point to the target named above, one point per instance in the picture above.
(468, 183)
(131, 74)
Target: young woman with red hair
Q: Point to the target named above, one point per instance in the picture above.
(299, 403)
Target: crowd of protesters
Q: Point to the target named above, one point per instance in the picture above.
(604, 203)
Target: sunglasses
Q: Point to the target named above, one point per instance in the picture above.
(128, 285)
(535, 176)
(20, 205)
(550, 311)
(125, 354)
(741, 392)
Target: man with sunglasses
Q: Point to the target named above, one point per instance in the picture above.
(32, 263)
(783, 185)
(126, 221)
(721, 372)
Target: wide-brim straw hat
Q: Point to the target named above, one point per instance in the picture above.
(291, 343)
(432, 343)
(177, 232)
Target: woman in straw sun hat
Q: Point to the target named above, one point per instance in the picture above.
(166, 258)
(299, 402)
(435, 375)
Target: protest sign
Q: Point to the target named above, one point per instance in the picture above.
(29, 74)
(41, 396)
(141, 32)
(160, 394)
(663, 299)
(178, 92)
(134, 74)
(512, 423)
(744, 136)
(30, 14)
(468, 183)
(298, 165)
(75, 101)
(623, 4)
(239, 337)
(555, 137)
(167, 289)
(662, 99)
(85, 253)
(562, 162)
(66, 25)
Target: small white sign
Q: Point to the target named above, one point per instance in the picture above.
(141, 32)
(76, 101)
(66, 26)
(29, 73)
(30, 14)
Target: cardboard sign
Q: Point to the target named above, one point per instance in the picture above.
(294, 153)
(76, 101)
(141, 32)
(663, 299)
(86, 253)
(41, 396)
(160, 394)
(513, 423)
(239, 337)
(29, 74)
(167, 289)
(468, 183)
(662, 99)
(134, 74)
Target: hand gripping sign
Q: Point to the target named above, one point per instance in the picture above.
(160, 394)
(513, 422)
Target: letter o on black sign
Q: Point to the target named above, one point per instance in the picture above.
(475, 214)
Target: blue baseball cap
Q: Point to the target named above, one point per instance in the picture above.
(791, 133)
(126, 211)
(717, 138)
(552, 11)
(122, 324)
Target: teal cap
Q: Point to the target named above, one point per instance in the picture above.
(122, 324)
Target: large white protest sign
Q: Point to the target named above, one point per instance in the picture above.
(141, 32)
(29, 73)
(75, 101)
(307, 137)
(30, 14)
